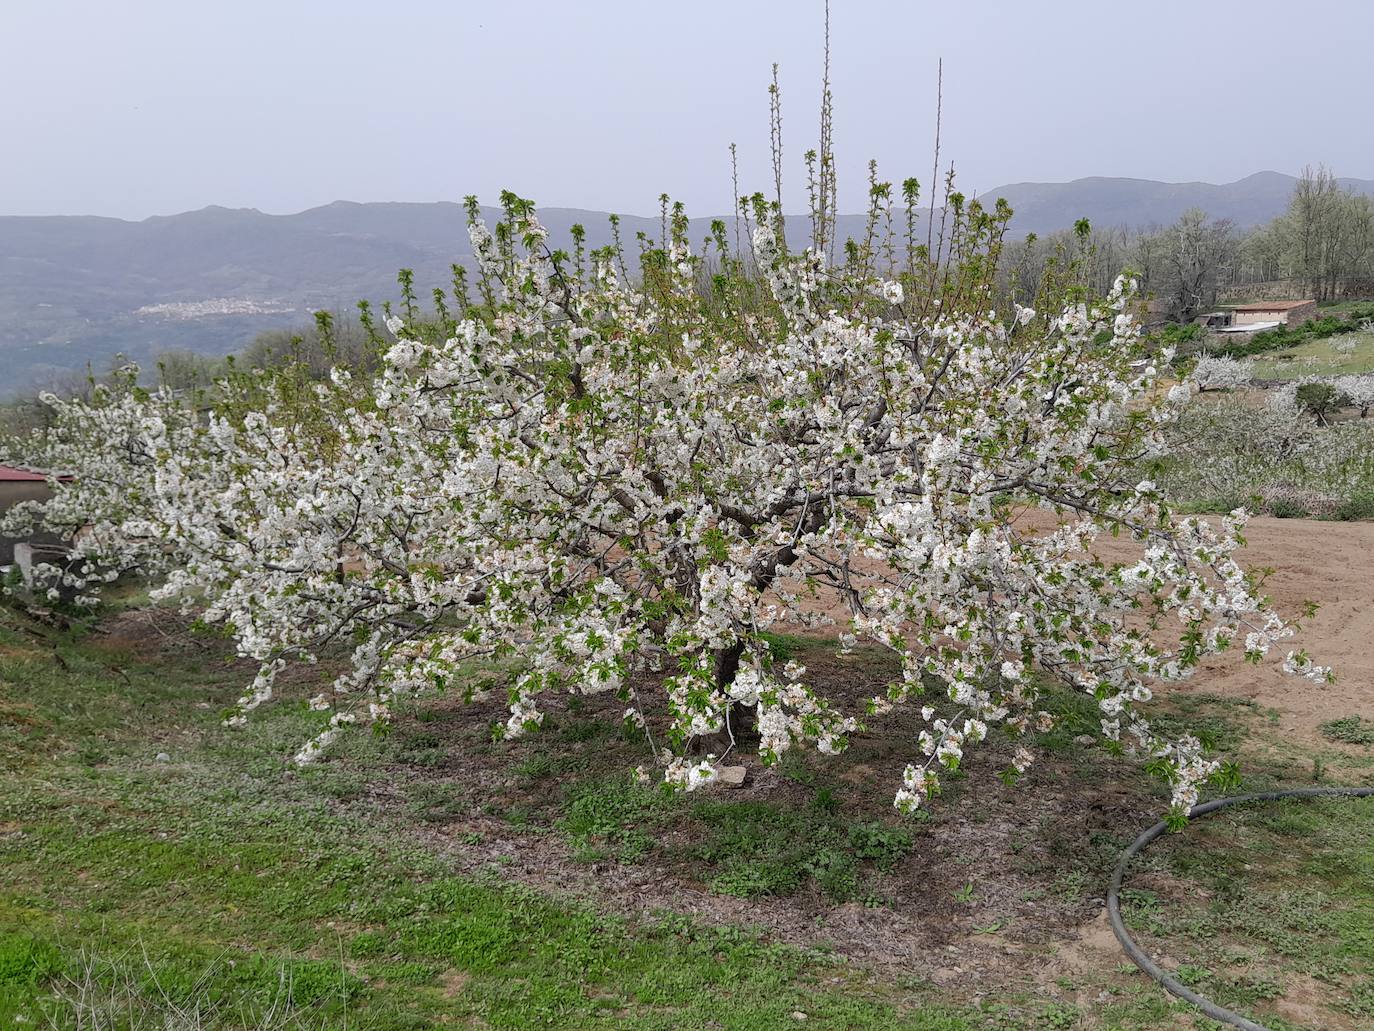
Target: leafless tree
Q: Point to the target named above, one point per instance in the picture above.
(1186, 263)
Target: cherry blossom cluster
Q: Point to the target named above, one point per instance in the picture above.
(1358, 390)
(104, 508)
(622, 488)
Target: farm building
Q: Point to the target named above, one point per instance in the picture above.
(1282, 313)
(18, 485)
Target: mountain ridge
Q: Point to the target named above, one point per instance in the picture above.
(77, 289)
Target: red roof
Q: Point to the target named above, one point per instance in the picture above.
(9, 474)
(1272, 306)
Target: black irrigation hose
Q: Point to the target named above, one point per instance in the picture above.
(1137, 954)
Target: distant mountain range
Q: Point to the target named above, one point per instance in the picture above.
(1249, 202)
(79, 289)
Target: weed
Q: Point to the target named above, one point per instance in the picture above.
(542, 765)
(1360, 505)
(1070, 886)
(758, 848)
(879, 843)
(438, 802)
(25, 960)
(366, 944)
(616, 813)
(1287, 508)
(1059, 1015)
(1351, 730)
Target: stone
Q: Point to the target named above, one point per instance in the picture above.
(163, 757)
(731, 776)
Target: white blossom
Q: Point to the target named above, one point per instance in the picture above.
(597, 483)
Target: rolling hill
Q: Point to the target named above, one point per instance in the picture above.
(77, 289)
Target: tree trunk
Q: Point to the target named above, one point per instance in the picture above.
(744, 721)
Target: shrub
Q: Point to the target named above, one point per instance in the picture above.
(1180, 333)
(1360, 505)
(1318, 399)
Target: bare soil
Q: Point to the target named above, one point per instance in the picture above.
(1331, 564)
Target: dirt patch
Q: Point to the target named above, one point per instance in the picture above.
(452, 983)
(1003, 885)
(1307, 1003)
(148, 634)
(1331, 564)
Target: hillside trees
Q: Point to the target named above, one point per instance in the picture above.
(1328, 230)
(1086, 256)
(1188, 262)
(1324, 242)
(1325, 238)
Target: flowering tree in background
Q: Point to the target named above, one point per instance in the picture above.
(621, 487)
(1222, 373)
(1357, 391)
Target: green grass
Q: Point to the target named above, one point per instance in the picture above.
(1266, 898)
(220, 882)
(747, 848)
(221, 889)
(1344, 309)
(753, 848)
(1319, 358)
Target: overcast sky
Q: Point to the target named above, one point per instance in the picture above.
(148, 107)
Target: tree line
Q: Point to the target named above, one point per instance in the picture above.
(1324, 241)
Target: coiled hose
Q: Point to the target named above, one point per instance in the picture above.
(1137, 954)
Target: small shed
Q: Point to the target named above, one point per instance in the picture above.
(18, 485)
(1283, 313)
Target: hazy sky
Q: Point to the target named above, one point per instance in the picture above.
(146, 107)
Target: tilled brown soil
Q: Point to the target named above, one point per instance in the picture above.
(1331, 564)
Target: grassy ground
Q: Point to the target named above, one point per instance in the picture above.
(1319, 358)
(161, 871)
(1345, 308)
(1269, 909)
